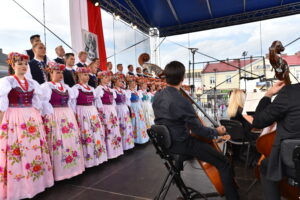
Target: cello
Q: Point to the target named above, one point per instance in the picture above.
(210, 170)
(266, 139)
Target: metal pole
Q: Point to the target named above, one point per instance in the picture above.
(239, 64)
(189, 74)
(215, 97)
(245, 74)
(193, 89)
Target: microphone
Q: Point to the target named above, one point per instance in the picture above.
(252, 78)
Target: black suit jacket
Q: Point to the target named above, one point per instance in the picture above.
(285, 110)
(69, 77)
(246, 125)
(59, 60)
(30, 54)
(177, 113)
(131, 73)
(37, 71)
(80, 65)
(93, 81)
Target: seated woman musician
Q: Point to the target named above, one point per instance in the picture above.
(235, 109)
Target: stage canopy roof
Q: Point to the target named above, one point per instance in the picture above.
(173, 17)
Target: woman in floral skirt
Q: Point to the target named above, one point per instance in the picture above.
(25, 166)
(123, 112)
(61, 126)
(109, 116)
(137, 114)
(146, 102)
(86, 103)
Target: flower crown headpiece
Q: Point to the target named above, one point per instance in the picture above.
(55, 66)
(104, 73)
(117, 77)
(83, 70)
(15, 56)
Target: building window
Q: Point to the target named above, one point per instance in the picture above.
(212, 80)
(228, 79)
(297, 74)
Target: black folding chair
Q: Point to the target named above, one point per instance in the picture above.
(161, 139)
(238, 137)
(290, 157)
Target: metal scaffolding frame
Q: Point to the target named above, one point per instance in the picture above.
(127, 15)
(257, 15)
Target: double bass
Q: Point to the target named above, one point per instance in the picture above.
(265, 141)
(210, 170)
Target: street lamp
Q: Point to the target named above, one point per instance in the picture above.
(193, 51)
(215, 97)
(245, 54)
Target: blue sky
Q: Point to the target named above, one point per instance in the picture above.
(16, 26)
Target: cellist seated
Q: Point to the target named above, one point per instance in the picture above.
(285, 110)
(176, 112)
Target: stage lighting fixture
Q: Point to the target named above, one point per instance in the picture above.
(96, 3)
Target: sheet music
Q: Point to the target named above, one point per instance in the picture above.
(252, 100)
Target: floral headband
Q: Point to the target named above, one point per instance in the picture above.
(83, 70)
(117, 77)
(56, 66)
(14, 56)
(104, 73)
(131, 78)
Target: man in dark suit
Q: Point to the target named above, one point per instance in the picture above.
(130, 70)
(69, 72)
(139, 72)
(93, 66)
(176, 112)
(285, 110)
(82, 59)
(60, 52)
(37, 65)
(34, 39)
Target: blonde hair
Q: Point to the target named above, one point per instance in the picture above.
(236, 100)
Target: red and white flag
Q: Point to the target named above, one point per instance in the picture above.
(87, 30)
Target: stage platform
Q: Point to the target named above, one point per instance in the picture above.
(138, 175)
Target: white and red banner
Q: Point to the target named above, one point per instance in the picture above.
(87, 30)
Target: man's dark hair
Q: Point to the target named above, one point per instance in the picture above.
(129, 66)
(34, 36)
(174, 72)
(95, 59)
(145, 70)
(68, 55)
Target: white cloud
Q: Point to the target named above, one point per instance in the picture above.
(230, 42)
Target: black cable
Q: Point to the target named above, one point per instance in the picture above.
(239, 68)
(294, 76)
(128, 48)
(44, 25)
(160, 43)
(292, 42)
